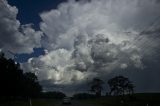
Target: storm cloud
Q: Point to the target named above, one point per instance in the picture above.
(96, 38)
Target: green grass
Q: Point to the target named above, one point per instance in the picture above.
(141, 99)
(35, 102)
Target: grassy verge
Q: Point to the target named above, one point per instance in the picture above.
(35, 102)
(135, 100)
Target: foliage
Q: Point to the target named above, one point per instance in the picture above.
(120, 85)
(96, 86)
(83, 96)
(56, 95)
(15, 83)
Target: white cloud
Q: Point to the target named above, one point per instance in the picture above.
(57, 66)
(14, 36)
(86, 39)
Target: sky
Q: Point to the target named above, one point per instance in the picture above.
(29, 10)
(68, 43)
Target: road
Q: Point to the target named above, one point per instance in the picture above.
(73, 103)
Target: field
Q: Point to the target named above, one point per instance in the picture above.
(35, 102)
(141, 99)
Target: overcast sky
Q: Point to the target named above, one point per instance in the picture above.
(80, 40)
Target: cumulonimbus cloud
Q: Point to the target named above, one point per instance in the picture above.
(86, 39)
(89, 39)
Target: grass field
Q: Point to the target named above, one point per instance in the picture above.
(141, 99)
(35, 102)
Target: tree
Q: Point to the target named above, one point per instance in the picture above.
(83, 96)
(32, 87)
(120, 85)
(10, 77)
(15, 83)
(96, 86)
(53, 94)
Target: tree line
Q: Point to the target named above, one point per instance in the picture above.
(118, 85)
(14, 82)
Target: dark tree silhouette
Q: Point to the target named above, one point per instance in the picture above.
(15, 83)
(53, 94)
(83, 96)
(120, 85)
(96, 86)
(32, 87)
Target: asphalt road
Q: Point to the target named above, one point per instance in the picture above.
(73, 103)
